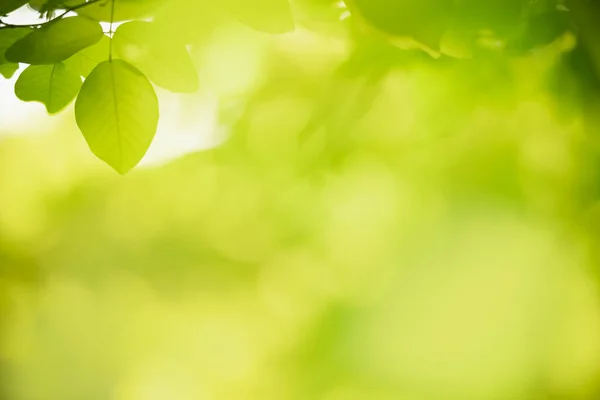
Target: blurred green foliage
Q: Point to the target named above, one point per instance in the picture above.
(373, 223)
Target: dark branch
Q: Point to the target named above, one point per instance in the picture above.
(67, 10)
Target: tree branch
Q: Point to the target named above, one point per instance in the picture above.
(67, 10)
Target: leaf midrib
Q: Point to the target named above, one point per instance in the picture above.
(116, 109)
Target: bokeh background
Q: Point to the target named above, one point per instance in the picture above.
(327, 218)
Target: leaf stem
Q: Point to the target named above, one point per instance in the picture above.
(4, 25)
(110, 29)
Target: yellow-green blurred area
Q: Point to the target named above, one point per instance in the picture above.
(357, 223)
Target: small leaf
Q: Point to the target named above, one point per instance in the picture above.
(164, 62)
(56, 41)
(270, 16)
(55, 86)
(8, 36)
(87, 59)
(8, 70)
(117, 112)
(7, 6)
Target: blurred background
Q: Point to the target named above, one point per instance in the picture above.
(330, 217)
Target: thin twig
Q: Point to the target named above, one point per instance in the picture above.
(67, 10)
(112, 20)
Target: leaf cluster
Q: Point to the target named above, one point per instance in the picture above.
(111, 75)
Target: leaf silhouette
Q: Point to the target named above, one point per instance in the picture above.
(165, 63)
(8, 70)
(117, 112)
(8, 36)
(55, 86)
(84, 61)
(55, 42)
(7, 6)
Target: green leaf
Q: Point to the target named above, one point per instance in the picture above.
(424, 21)
(540, 30)
(55, 86)
(117, 112)
(8, 70)
(499, 16)
(123, 9)
(7, 6)
(270, 16)
(55, 42)
(87, 59)
(8, 36)
(164, 62)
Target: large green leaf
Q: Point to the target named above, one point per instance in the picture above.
(8, 70)
(270, 16)
(55, 42)
(123, 9)
(117, 112)
(87, 59)
(164, 62)
(7, 6)
(8, 36)
(55, 86)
